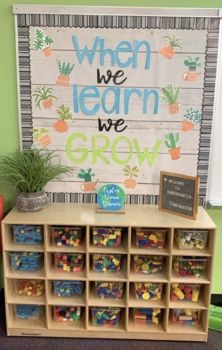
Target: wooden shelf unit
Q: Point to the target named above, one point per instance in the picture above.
(85, 215)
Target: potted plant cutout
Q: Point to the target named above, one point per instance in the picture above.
(171, 43)
(43, 97)
(29, 171)
(42, 137)
(130, 173)
(170, 96)
(171, 141)
(87, 175)
(192, 63)
(65, 69)
(191, 118)
(65, 114)
(43, 42)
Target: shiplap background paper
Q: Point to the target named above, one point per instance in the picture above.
(145, 128)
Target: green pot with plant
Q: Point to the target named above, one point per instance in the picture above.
(192, 62)
(29, 171)
(65, 69)
(170, 96)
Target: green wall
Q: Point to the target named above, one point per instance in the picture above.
(9, 129)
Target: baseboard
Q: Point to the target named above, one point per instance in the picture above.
(216, 299)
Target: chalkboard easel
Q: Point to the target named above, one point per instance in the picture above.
(179, 194)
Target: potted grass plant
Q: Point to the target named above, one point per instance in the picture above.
(29, 171)
(170, 96)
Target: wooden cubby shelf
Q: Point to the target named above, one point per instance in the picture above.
(85, 216)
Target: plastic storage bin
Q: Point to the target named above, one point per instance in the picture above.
(27, 234)
(30, 288)
(148, 290)
(66, 313)
(106, 262)
(147, 264)
(69, 262)
(66, 236)
(30, 312)
(150, 238)
(191, 239)
(29, 262)
(112, 290)
(105, 316)
(189, 267)
(147, 315)
(107, 236)
(68, 288)
(185, 292)
(185, 316)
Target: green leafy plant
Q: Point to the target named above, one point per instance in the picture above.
(192, 63)
(131, 171)
(41, 40)
(172, 139)
(65, 68)
(86, 174)
(30, 170)
(64, 112)
(193, 116)
(41, 94)
(170, 94)
(172, 41)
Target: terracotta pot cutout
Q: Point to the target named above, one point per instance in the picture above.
(45, 140)
(175, 153)
(174, 108)
(63, 80)
(130, 183)
(191, 76)
(89, 186)
(167, 51)
(47, 103)
(187, 125)
(60, 126)
(47, 51)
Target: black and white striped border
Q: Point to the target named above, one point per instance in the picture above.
(24, 21)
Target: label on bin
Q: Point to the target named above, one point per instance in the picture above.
(111, 197)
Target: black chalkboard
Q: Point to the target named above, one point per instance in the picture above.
(179, 194)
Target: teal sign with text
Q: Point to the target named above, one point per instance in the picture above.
(111, 197)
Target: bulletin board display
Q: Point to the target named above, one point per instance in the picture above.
(119, 97)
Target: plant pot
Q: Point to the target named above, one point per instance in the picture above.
(167, 51)
(130, 183)
(47, 51)
(45, 140)
(63, 80)
(174, 108)
(187, 125)
(47, 103)
(191, 75)
(175, 153)
(60, 126)
(89, 186)
(31, 201)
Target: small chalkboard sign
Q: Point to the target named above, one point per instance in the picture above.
(179, 194)
(111, 198)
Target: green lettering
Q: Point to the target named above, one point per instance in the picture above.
(151, 157)
(72, 151)
(129, 152)
(97, 151)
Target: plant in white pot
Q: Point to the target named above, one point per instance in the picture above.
(29, 171)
